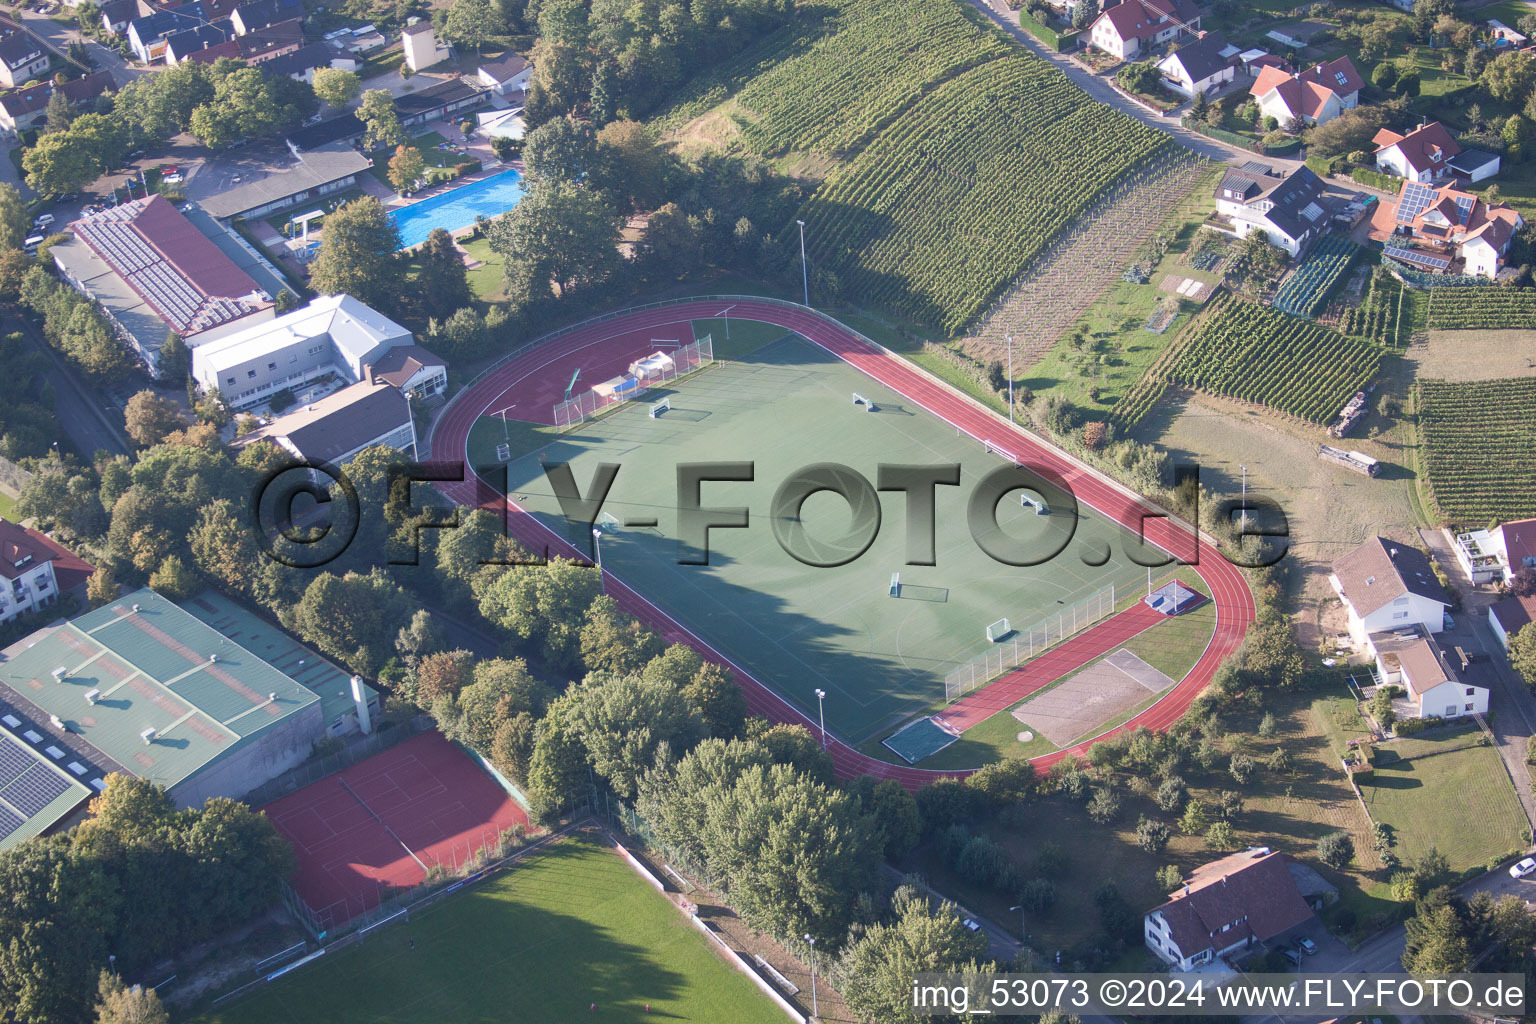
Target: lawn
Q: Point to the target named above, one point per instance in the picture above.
(427, 145)
(1446, 789)
(485, 280)
(7, 506)
(543, 941)
(1171, 647)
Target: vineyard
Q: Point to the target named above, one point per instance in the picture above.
(1479, 446)
(1379, 316)
(1304, 292)
(1257, 354)
(953, 199)
(1460, 309)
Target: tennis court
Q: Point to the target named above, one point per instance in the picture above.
(379, 825)
(878, 651)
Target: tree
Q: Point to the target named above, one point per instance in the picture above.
(1510, 77)
(1242, 768)
(472, 22)
(1194, 819)
(1005, 782)
(357, 254)
(381, 122)
(1336, 849)
(636, 168)
(1384, 76)
(1152, 835)
(898, 823)
(148, 418)
(543, 604)
(336, 87)
(624, 720)
(1169, 878)
(562, 149)
(442, 674)
(175, 360)
(713, 692)
(876, 968)
(1221, 836)
(1524, 582)
(1437, 936)
(53, 930)
(1105, 806)
(15, 222)
(102, 587)
(406, 168)
(1200, 106)
(1170, 794)
(561, 232)
(118, 1003)
(1522, 653)
(441, 280)
(353, 618)
(1351, 130)
(59, 164)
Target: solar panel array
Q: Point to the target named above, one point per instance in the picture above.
(1415, 256)
(112, 235)
(1416, 199)
(25, 784)
(1464, 205)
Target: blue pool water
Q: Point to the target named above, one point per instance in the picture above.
(458, 208)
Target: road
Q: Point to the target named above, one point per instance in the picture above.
(92, 424)
(58, 35)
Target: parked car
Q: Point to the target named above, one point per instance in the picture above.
(1523, 868)
(31, 244)
(1293, 958)
(1306, 946)
(170, 169)
(972, 925)
(43, 220)
(173, 179)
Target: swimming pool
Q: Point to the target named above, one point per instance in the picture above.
(458, 208)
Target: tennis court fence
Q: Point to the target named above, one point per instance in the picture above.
(1023, 644)
(681, 362)
(357, 748)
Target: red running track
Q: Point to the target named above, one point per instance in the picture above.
(1224, 582)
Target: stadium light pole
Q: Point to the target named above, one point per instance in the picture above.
(821, 710)
(1023, 925)
(597, 548)
(805, 277)
(1010, 378)
(815, 1011)
(1244, 508)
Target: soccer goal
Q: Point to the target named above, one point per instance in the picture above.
(610, 523)
(657, 408)
(1026, 500)
(504, 452)
(993, 448)
(998, 630)
(895, 584)
(859, 399)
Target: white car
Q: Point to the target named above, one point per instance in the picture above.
(173, 179)
(43, 221)
(1523, 868)
(971, 925)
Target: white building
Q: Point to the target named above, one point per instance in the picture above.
(1125, 29)
(1423, 155)
(1227, 907)
(1411, 658)
(1289, 211)
(28, 569)
(1494, 556)
(333, 334)
(1199, 67)
(1386, 586)
(422, 49)
(507, 76)
(1316, 95)
(1510, 615)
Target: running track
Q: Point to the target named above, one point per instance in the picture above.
(527, 373)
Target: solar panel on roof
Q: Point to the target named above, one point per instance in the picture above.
(9, 823)
(1464, 206)
(34, 790)
(1414, 256)
(1340, 76)
(1416, 198)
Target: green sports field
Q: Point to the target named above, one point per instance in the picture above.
(783, 407)
(542, 942)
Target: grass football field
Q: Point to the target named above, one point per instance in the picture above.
(783, 407)
(541, 942)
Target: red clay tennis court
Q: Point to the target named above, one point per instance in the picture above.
(377, 826)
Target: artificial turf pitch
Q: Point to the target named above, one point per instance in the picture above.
(798, 628)
(541, 942)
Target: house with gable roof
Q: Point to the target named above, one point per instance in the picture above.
(1237, 903)
(1128, 28)
(1423, 155)
(1441, 228)
(1199, 67)
(1290, 211)
(1315, 95)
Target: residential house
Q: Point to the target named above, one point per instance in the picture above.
(440, 101)
(1388, 586)
(1318, 94)
(147, 35)
(301, 64)
(179, 46)
(1202, 66)
(1503, 35)
(505, 77)
(266, 44)
(332, 336)
(1444, 229)
(1423, 155)
(153, 271)
(1290, 211)
(1409, 657)
(1508, 616)
(27, 107)
(332, 430)
(116, 14)
(22, 56)
(1494, 556)
(38, 570)
(1229, 906)
(414, 370)
(422, 48)
(259, 14)
(1130, 27)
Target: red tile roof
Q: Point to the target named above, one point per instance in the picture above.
(18, 543)
(1305, 94)
(1252, 891)
(171, 265)
(1143, 19)
(1514, 613)
(1519, 541)
(1424, 149)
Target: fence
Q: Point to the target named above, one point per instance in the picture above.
(684, 361)
(13, 477)
(358, 748)
(1024, 644)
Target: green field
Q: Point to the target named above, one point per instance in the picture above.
(799, 628)
(1447, 790)
(541, 942)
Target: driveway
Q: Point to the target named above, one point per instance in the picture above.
(58, 35)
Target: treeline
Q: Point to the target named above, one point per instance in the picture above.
(136, 881)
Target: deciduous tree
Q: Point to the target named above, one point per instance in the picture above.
(357, 254)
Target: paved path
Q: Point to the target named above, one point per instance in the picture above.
(1225, 584)
(91, 424)
(58, 35)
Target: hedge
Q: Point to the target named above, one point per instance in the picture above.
(1376, 180)
(1220, 134)
(1323, 166)
(1061, 41)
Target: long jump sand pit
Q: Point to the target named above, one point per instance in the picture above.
(1103, 691)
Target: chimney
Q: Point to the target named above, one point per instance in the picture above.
(360, 698)
(1392, 553)
(368, 373)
